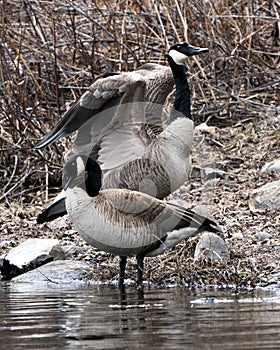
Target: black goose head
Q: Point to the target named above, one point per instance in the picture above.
(180, 51)
(82, 171)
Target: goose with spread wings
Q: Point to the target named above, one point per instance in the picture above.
(120, 124)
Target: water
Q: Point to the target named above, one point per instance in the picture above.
(102, 317)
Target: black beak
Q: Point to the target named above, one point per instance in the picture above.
(193, 50)
(67, 182)
(73, 181)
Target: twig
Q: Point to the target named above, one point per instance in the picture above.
(13, 173)
(17, 184)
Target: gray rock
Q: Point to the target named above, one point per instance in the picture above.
(211, 246)
(266, 197)
(208, 173)
(271, 166)
(263, 236)
(274, 278)
(73, 251)
(57, 272)
(32, 253)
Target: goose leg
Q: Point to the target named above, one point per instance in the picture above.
(140, 269)
(122, 269)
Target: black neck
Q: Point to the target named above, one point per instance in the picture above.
(92, 178)
(182, 102)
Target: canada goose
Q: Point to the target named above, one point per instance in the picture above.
(125, 222)
(149, 159)
(112, 89)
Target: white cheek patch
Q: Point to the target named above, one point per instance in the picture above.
(178, 57)
(80, 165)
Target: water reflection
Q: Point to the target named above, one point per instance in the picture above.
(104, 317)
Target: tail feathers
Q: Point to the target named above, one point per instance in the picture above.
(210, 225)
(200, 222)
(191, 218)
(53, 211)
(185, 231)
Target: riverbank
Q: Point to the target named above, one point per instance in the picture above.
(237, 154)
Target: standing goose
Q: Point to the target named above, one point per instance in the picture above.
(124, 222)
(128, 139)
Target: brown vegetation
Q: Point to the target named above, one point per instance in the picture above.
(51, 51)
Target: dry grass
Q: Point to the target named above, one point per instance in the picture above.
(51, 51)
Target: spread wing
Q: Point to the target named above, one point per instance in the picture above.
(105, 93)
(112, 136)
(159, 85)
(137, 119)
